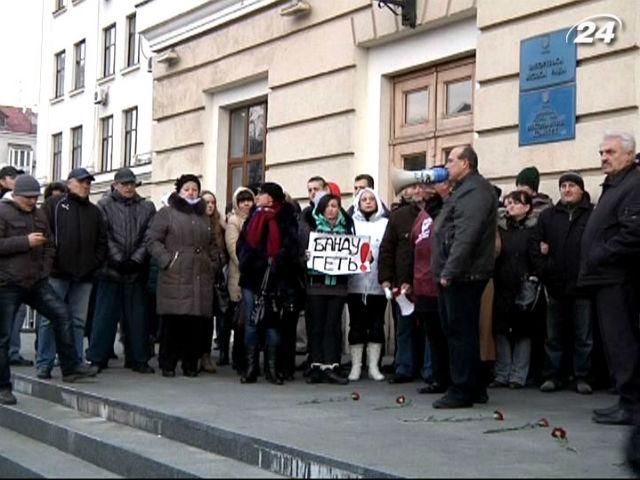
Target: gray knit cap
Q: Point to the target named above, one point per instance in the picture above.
(26, 186)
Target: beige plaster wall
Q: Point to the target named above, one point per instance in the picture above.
(606, 96)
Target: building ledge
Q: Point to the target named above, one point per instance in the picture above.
(76, 2)
(131, 69)
(56, 100)
(60, 11)
(105, 80)
(76, 92)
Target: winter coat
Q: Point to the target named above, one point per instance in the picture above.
(231, 235)
(286, 275)
(21, 265)
(80, 237)
(374, 227)
(516, 262)
(127, 221)
(319, 283)
(180, 238)
(396, 249)
(422, 235)
(561, 228)
(611, 239)
(464, 246)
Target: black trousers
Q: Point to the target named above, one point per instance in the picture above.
(325, 322)
(617, 309)
(460, 317)
(366, 321)
(288, 334)
(181, 339)
(430, 320)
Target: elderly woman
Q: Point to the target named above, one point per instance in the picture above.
(181, 240)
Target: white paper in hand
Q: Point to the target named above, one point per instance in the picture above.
(406, 306)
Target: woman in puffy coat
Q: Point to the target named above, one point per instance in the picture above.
(243, 201)
(515, 262)
(366, 299)
(181, 240)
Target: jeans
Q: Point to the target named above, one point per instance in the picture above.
(563, 312)
(76, 296)
(251, 330)
(512, 359)
(43, 298)
(116, 301)
(405, 351)
(460, 316)
(14, 343)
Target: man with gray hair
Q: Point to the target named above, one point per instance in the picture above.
(609, 252)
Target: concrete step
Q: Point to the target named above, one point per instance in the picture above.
(275, 457)
(127, 451)
(23, 457)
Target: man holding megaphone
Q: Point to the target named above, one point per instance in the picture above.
(462, 263)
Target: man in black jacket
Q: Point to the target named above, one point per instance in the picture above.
(80, 239)
(26, 254)
(610, 248)
(462, 262)
(120, 290)
(558, 234)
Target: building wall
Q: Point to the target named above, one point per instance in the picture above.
(315, 76)
(129, 87)
(607, 88)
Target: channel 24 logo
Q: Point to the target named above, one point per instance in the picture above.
(589, 31)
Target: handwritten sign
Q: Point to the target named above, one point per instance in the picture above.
(338, 254)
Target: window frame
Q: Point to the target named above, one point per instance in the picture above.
(59, 60)
(130, 137)
(56, 156)
(109, 51)
(246, 158)
(133, 44)
(58, 5)
(79, 62)
(76, 147)
(106, 143)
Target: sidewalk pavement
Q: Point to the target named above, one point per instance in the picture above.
(411, 440)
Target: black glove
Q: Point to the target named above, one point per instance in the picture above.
(129, 266)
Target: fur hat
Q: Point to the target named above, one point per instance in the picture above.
(187, 177)
(273, 190)
(530, 177)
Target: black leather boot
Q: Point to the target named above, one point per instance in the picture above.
(251, 374)
(270, 371)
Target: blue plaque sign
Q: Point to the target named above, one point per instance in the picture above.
(548, 115)
(547, 60)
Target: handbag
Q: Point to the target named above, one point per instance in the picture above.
(528, 295)
(260, 300)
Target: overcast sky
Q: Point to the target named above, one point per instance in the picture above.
(20, 27)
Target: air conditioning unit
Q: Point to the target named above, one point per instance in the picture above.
(100, 96)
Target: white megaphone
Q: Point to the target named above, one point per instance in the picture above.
(403, 178)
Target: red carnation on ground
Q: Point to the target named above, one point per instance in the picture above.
(543, 422)
(401, 400)
(559, 433)
(355, 396)
(498, 415)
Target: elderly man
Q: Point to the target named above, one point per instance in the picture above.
(609, 252)
(120, 290)
(26, 255)
(81, 246)
(462, 263)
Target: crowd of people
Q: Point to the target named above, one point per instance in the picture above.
(507, 290)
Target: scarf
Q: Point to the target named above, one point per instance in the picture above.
(265, 217)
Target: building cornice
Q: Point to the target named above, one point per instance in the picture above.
(199, 20)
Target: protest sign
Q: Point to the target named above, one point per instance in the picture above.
(338, 254)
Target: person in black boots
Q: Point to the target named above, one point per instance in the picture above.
(181, 239)
(267, 252)
(608, 267)
(326, 295)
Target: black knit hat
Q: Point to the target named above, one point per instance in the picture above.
(187, 177)
(573, 177)
(530, 177)
(273, 190)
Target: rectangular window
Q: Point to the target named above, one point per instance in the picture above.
(59, 86)
(247, 136)
(106, 156)
(109, 51)
(76, 147)
(130, 136)
(21, 157)
(78, 64)
(56, 157)
(132, 41)
(59, 5)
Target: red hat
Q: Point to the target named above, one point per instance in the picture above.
(334, 189)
